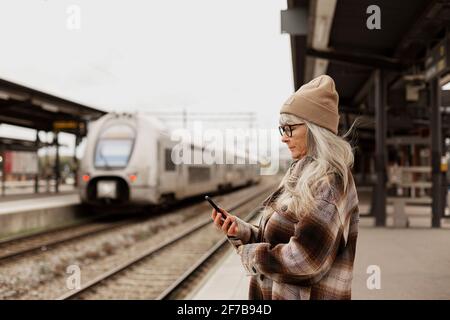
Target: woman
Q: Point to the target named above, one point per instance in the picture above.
(305, 244)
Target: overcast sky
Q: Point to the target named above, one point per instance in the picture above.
(202, 55)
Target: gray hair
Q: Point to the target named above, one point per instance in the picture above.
(331, 155)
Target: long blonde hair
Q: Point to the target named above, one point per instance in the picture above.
(327, 156)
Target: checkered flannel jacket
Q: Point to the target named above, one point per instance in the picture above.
(307, 258)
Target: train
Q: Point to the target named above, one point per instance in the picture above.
(127, 162)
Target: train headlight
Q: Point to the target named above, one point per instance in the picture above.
(132, 177)
(86, 177)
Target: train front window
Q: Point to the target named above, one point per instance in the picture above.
(114, 147)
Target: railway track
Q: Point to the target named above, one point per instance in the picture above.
(20, 247)
(36, 243)
(159, 271)
(175, 290)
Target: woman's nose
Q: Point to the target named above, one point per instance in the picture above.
(284, 138)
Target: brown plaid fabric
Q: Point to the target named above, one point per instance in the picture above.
(307, 258)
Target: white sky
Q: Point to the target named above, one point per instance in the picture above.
(202, 55)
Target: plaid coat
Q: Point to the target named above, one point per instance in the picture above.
(307, 258)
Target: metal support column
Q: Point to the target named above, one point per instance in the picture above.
(47, 164)
(380, 146)
(438, 177)
(3, 155)
(57, 173)
(36, 177)
(75, 160)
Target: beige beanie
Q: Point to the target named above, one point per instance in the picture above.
(316, 101)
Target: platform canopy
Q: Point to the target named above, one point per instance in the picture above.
(31, 108)
(331, 37)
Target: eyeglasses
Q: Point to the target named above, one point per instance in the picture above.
(288, 129)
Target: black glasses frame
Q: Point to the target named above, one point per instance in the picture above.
(288, 128)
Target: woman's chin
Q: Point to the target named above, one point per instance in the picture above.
(295, 155)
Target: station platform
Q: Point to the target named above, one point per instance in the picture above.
(22, 189)
(25, 214)
(13, 203)
(402, 254)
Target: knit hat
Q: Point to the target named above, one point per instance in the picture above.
(317, 102)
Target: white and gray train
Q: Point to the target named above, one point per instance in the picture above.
(127, 161)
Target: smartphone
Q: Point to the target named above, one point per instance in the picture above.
(215, 206)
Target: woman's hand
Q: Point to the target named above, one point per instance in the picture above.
(229, 226)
